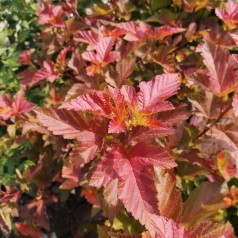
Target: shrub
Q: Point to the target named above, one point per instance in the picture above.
(123, 122)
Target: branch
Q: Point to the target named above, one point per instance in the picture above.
(217, 120)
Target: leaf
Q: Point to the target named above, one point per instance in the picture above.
(160, 88)
(179, 114)
(25, 57)
(235, 105)
(228, 13)
(127, 108)
(103, 56)
(123, 235)
(29, 230)
(222, 137)
(124, 69)
(225, 165)
(88, 37)
(97, 102)
(14, 107)
(163, 31)
(211, 230)
(203, 203)
(5, 107)
(84, 151)
(208, 105)
(61, 122)
(71, 174)
(103, 231)
(31, 126)
(76, 62)
(194, 5)
(142, 134)
(50, 14)
(234, 37)
(135, 175)
(111, 197)
(48, 71)
(91, 195)
(150, 100)
(220, 78)
(155, 5)
(161, 227)
(133, 31)
(20, 104)
(169, 197)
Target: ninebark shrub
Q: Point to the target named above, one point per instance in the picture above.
(122, 121)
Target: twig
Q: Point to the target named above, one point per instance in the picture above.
(217, 120)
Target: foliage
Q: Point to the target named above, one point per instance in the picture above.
(118, 119)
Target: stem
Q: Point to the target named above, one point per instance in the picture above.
(217, 120)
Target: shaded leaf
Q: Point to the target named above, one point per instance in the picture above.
(169, 197)
(203, 203)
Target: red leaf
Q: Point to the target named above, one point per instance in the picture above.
(161, 227)
(229, 14)
(48, 71)
(103, 56)
(91, 195)
(50, 14)
(161, 32)
(76, 62)
(88, 37)
(25, 57)
(96, 102)
(14, 107)
(235, 105)
(71, 173)
(124, 69)
(62, 122)
(153, 92)
(20, 104)
(111, 197)
(150, 100)
(220, 78)
(5, 107)
(26, 76)
(234, 37)
(29, 230)
(133, 31)
(211, 230)
(61, 57)
(170, 204)
(127, 108)
(35, 211)
(84, 151)
(135, 176)
(203, 203)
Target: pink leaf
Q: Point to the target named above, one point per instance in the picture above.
(97, 102)
(47, 72)
(135, 176)
(235, 105)
(220, 78)
(211, 230)
(170, 204)
(156, 90)
(229, 14)
(62, 122)
(25, 57)
(50, 14)
(161, 32)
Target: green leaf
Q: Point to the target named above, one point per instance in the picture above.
(157, 4)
